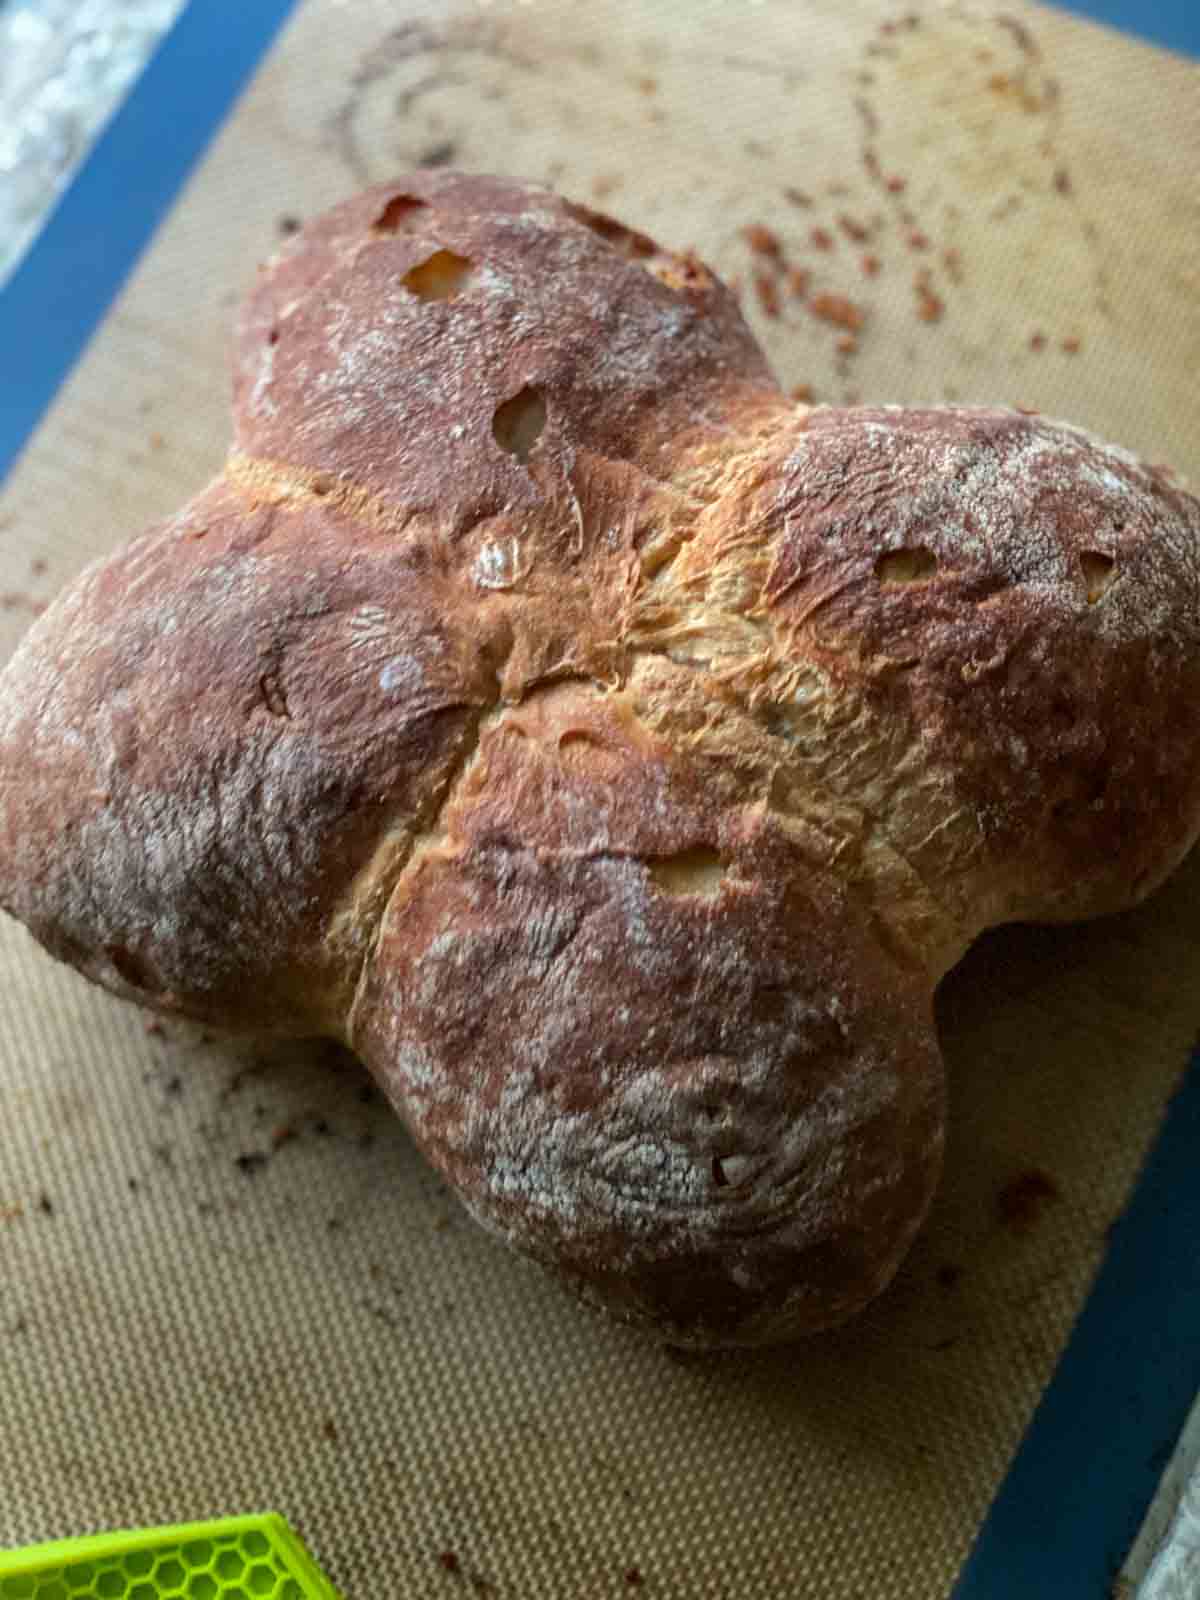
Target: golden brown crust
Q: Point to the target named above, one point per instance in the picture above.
(614, 752)
(936, 618)
(1041, 655)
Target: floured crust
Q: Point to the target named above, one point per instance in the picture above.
(651, 1039)
(216, 735)
(613, 752)
(935, 618)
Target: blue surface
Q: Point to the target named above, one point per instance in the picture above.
(61, 290)
(1174, 23)
(1090, 1462)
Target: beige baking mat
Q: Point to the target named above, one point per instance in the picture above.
(226, 1278)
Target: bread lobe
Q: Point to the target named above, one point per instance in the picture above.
(689, 1100)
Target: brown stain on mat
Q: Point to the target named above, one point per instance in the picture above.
(1021, 1202)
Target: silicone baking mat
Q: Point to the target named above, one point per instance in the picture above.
(226, 1278)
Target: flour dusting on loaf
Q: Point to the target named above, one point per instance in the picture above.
(612, 751)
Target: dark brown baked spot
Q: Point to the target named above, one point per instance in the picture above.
(906, 566)
(517, 424)
(130, 968)
(697, 871)
(1098, 571)
(439, 277)
(398, 214)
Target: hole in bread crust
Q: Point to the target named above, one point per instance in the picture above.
(916, 565)
(518, 423)
(627, 241)
(581, 753)
(399, 214)
(273, 697)
(685, 274)
(699, 871)
(1098, 573)
(439, 277)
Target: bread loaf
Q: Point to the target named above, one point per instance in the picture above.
(612, 752)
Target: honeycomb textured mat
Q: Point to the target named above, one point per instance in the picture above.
(241, 1560)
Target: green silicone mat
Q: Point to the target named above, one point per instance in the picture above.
(236, 1558)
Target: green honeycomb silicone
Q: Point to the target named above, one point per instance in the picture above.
(236, 1558)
